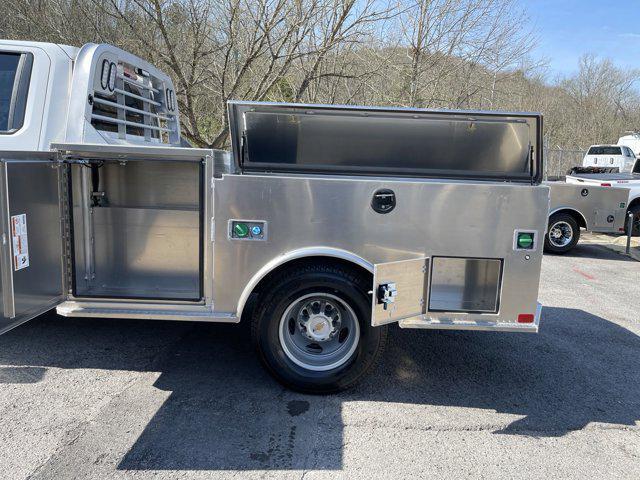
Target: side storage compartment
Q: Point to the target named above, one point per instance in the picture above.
(444, 292)
(31, 247)
(137, 229)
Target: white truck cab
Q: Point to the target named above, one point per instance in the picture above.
(117, 97)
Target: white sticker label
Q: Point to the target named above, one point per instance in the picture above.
(20, 241)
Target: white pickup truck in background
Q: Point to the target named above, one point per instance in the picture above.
(609, 158)
(630, 181)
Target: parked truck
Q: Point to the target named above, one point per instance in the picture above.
(574, 207)
(628, 182)
(324, 225)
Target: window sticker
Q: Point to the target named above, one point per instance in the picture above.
(20, 242)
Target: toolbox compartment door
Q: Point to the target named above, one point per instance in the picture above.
(436, 290)
(399, 290)
(31, 239)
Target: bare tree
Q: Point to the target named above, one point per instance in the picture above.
(422, 53)
(449, 42)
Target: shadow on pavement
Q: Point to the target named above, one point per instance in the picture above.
(224, 412)
(590, 250)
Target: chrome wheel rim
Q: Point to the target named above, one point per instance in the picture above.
(319, 332)
(560, 234)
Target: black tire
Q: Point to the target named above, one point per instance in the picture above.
(635, 230)
(283, 291)
(567, 220)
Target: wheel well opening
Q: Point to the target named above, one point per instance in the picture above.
(294, 263)
(634, 203)
(576, 216)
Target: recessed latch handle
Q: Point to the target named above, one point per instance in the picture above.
(383, 201)
(387, 293)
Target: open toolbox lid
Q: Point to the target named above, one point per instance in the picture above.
(295, 138)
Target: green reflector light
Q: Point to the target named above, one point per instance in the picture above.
(241, 230)
(525, 240)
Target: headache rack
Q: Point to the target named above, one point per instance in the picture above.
(132, 105)
(125, 99)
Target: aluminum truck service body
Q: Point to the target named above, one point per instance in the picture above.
(572, 207)
(323, 225)
(332, 216)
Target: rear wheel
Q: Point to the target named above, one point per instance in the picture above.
(312, 328)
(635, 210)
(563, 233)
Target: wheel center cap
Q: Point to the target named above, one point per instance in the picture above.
(319, 327)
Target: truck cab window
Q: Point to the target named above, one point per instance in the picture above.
(15, 72)
(8, 68)
(604, 150)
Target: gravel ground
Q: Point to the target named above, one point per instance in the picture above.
(89, 398)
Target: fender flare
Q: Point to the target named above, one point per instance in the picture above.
(294, 255)
(571, 209)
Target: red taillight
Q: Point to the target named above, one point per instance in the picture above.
(621, 229)
(605, 184)
(525, 318)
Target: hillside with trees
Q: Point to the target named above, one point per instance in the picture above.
(468, 54)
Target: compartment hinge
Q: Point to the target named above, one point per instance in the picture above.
(65, 229)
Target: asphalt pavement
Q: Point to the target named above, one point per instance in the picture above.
(94, 398)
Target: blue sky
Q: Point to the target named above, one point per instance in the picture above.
(567, 29)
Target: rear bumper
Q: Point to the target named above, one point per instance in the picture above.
(474, 322)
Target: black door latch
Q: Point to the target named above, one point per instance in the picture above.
(387, 293)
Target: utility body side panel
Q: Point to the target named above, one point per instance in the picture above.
(602, 208)
(431, 219)
(627, 182)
